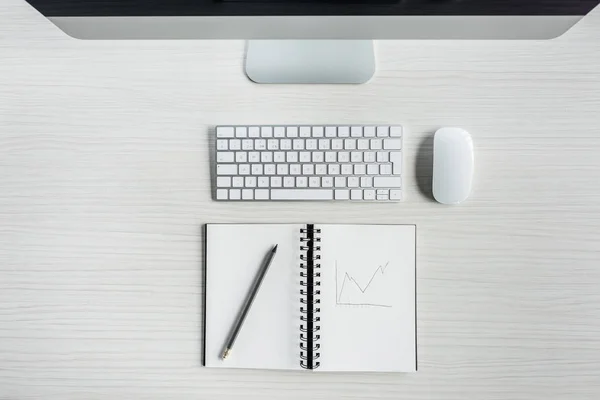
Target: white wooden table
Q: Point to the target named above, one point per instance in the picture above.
(104, 187)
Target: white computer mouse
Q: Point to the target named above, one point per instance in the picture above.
(453, 165)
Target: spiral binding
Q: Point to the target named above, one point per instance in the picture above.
(309, 302)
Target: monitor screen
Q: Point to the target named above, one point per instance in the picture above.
(98, 8)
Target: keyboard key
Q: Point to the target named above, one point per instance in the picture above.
(318, 131)
(308, 169)
(385, 169)
(285, 144)
(395, 194)
(302, 194)
(222, 194)
(289, 181)
(382, 156)
(343, 156)
(323, 144)
(260, 144)
(396, 160)
(373, 169)
(396, 131)
(266, 131)
(382, 195)
(272, 144)
(225, 156)
(330, 131)
(366, 181)
(254, 156)
(263, 181)
(342, 194)
(392, 144)
(356, 131)
(387, 181)
(330, 156)
(282, 169)
(363, 144)
(376, 144)
(222, 144)
(266, 157)
(254, 132)
(314, 181)
(327, 181)
(353, 181)
(305, 131)
(301, 181)
(279, 132)
(369, 131)
(321, 169)
(298, 144)
(223, 181)
(347, 169)
(235, 194)
(318, 156)
(225, 132)
(279, 156)
(244, 169)
(241, 157)
(276, 181)
(295, 169)
(334, 169)
(304, 156)
(291, 156)
(350, 144)
(356, 156)
(261, 194)
(340, 181)
(369, 157)
(343, 131)
(241, 132)
(383, 131)
(356, 194)
(257, 169)
(235, 144)
(250, 181)
(369, 194)
(238, 182)
(311, 144)
(291, 131)
(337, 144)
(270, 169)
(360, 169)
(227, 169)
(247, 194)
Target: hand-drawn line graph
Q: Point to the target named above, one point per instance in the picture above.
(352, 293)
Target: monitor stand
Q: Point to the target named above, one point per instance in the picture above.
(310, 61)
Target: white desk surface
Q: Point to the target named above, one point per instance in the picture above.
(104, 187)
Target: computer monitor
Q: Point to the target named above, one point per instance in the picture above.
(344, 53)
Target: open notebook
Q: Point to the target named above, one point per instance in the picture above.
(335, 298)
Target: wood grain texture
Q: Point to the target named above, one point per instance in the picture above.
(104, 186)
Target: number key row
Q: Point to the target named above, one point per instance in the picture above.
(307, 131)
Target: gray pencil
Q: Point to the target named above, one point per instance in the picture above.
(248, 303)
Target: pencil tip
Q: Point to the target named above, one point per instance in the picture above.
(225, 354)
(275, 248)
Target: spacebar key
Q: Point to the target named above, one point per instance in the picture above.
(301, 194)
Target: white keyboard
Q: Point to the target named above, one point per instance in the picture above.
(360, 163)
